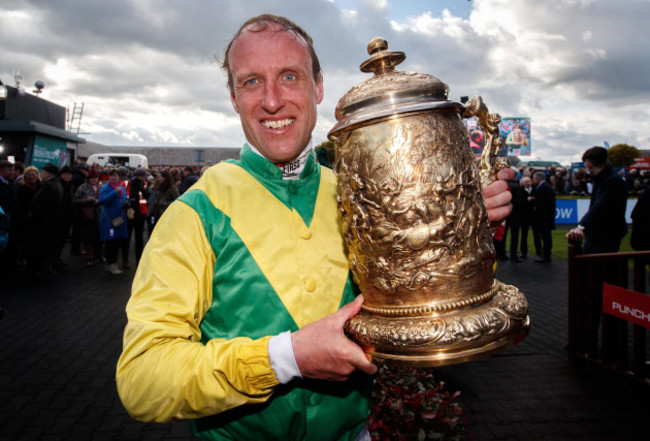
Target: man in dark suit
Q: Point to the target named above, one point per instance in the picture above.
(9, 204)
(513, 222)
(544, 216)
(604, 225)
(44, 224)
(527, 214)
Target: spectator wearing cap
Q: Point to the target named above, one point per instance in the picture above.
(9, 204)
(44, 225)
(137, 210)
(79, 174)
(65, 178)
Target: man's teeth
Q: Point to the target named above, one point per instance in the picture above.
(277, 124)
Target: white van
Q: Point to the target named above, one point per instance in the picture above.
(133, 160)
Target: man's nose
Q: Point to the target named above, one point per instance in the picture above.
(273, 100)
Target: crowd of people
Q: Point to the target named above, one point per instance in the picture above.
(100, 210)
(578, 181)
(533, 198)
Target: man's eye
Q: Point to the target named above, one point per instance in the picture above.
(251, 82)
(289, 77)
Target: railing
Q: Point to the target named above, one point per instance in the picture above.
(600, 338)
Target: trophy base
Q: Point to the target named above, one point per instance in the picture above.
(451, 337)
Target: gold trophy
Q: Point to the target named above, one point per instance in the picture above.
(419, 240)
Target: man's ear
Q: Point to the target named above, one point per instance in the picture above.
(319, 89)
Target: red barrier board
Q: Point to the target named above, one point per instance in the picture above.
(629, 305)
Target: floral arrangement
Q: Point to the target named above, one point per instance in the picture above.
(408, 403)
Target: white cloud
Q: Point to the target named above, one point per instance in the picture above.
(146, 70)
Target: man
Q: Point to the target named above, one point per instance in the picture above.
(189, 179)
(544, 217)
(602, 228)
(604, 225)
(513, 223)
(44, 221)
(9, 204)
(138, 194)
(527, 213)
(65, 179)
(234, 317)
(79, 176)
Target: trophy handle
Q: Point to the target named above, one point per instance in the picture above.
(489, 164)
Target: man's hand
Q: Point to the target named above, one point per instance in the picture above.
(497, 196)
(575, 235)
(323, 351)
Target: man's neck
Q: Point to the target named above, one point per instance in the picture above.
(291, 170)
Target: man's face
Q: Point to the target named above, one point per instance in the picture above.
(588, 166)
(66, 176)
(274, 92)
(7, 173)
(46, 175)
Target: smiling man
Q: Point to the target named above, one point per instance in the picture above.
(238, 306)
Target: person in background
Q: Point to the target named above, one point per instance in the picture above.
(513, 223)
(603, 226)
(80, 174)
(189, 179)
(527, 214)
(44, 221)
(151, 200)
(19, 171)
(125, 176)
(176, 176)
(575, 187)
(112, 230)
(544, 216)
(631, 177)
(9, 204)
(26, 190)
(67, 212)
(166, 193)
(640, 238)
(138, 194)
(86, 202)
(583, 179)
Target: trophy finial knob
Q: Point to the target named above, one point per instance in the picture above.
(377, 44)
(381, 60)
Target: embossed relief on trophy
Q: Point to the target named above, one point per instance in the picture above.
(418, 235)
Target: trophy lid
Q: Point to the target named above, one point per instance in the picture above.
(389, 92)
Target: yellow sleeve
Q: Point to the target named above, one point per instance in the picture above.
(165, 373)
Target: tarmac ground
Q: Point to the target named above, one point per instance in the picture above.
(60, 341)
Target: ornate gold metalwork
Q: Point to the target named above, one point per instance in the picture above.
(420, 246)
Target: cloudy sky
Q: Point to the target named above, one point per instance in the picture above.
(147, 70)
